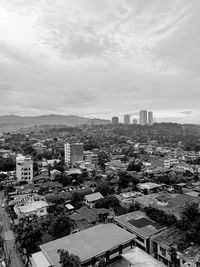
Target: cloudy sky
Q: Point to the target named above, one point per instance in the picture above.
(98, 58)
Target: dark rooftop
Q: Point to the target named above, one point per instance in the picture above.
(143, 222)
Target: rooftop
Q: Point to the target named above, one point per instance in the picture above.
(93, 197)
(87, 243)
(40, 257)
(139, 223)
(170, 237)
(35, 205)
(138, 258)
(149, 185)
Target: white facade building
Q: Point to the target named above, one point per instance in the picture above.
(73, 152)
(24, 168)
(150, 118)
(143, 117)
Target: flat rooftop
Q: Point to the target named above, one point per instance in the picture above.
(149, 185)
(87, 243)
(138, 258)
(139, 223)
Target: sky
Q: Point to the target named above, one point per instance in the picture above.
(99, 58)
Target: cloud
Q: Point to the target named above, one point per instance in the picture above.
(100, 57)
(187, 112)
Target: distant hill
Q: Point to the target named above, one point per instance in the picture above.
(12, 121)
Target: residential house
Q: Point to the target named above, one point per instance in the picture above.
(91, 199)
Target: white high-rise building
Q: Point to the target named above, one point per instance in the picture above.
(73, 152)
(115, 120)
(126, 119)
(150, 118)
(24, 168)
(143, 117)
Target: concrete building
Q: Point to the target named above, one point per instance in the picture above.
(115, 120)
(139, 224)
(106, 241)
(143, 117)
(91, 199)
(38, 208)
(126, 119)
(134, 121)
(91, 157)
(169, 241)
(24, 168)
(150, 118)
(73, 152)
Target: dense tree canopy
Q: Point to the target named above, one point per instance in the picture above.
(68, 260)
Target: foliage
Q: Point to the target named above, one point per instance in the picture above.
(134, 207)
(133, 166)
(7, 164)
(67, 259)
(124, 179)
(29, 236)
(76, 199)
(107, 202)
(105, 189)
(190, 222)
(160, 216)
(60, 226)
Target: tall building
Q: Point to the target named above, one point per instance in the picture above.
(73, 152)
(134, 121)
(150, 118)
(24, 168)
(126, 119)
(143, 117)
(115, 120)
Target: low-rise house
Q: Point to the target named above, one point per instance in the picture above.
(168, 250)
(34, 207)
(170, 162)
(53, 173)
(91, 199)
(138, 223)
(149, 187)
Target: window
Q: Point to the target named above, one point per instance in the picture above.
(140, 239)
(163, 251)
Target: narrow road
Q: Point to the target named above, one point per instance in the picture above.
(7, 234)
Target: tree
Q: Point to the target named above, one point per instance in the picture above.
(105, 189)
(134, 207)
(107, 202)
(76, 199)
(67, 259)
(189, 215)
(124, 180)
(160, 216)
(29, 236)
(60, 226)
(134, 166)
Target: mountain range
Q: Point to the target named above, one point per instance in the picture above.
(13, 121)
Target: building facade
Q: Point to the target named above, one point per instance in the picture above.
(134, 121)
(73, 152)
(126, 119)
(115, 120)
(150, 118)
(143, 117)
(24, 168)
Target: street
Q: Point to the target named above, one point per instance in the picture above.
(13, 257)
